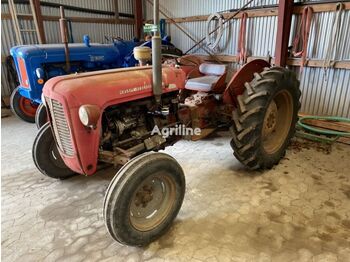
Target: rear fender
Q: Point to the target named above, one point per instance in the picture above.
(246, 74)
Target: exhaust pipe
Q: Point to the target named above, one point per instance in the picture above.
(64, 37)
(156, 55)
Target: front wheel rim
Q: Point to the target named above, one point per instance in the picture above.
(152, 201)
(277, 122)
(55, 156)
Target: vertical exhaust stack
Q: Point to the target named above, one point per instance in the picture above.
(64, 37)
(156, 55)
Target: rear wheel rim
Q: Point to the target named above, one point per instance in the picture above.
(277, 122)
(27, 106)
(152, 201)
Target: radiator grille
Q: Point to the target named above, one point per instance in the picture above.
(60, 127)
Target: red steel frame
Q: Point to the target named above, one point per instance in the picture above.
(285, 11)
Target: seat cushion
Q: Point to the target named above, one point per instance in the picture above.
(203, 83)
(212, 69)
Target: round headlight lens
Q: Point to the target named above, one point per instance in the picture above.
(84, 115)
(89, 115)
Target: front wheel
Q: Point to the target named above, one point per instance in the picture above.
(23, 107)
(144, 198)
(46, 156)
(41, 116)
(264, 122)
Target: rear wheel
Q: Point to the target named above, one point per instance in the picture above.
(40, 116)
(46, 156)
(23, 107)
(265, 119)
(144, 198)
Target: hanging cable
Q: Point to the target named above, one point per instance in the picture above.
(185, 32)
(219, 19)
(225, 22)
(333, 42)
(302, 35)
(242, 52)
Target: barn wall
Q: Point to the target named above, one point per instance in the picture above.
(96, 31)
(321, 94)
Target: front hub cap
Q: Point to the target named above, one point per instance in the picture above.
(27, 106)
(152, 202)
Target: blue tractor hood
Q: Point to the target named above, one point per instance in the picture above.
(55, 53)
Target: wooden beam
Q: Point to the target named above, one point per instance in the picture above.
(40, 22)
(318, 8)
(92, 20)
(138, 18)
(290, 61)
(251, 13)
(6, 16)
(260, 12)
(318, 63)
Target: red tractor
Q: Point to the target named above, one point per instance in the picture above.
(117, 123)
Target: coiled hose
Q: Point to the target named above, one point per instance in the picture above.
(318, 131)
(220, 18)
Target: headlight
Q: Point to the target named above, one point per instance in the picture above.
(89, 115)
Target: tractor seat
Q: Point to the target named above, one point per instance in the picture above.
(212, 74)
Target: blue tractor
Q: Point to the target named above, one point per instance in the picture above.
(35, 64)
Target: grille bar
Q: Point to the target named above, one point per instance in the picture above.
(60, 127)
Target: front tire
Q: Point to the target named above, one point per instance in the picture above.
(23, 107)
(144, 198)
(46, 156)
(264, 122)
(40, 116)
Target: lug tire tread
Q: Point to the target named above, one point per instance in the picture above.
(248, 117)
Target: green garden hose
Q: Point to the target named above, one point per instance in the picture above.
(318, 132)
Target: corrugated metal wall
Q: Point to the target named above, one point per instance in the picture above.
(96, 31)
(321, 95)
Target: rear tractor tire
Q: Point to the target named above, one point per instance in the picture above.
(265, 118)
(46, 156)
(143, 199)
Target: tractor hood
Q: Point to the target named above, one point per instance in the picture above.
(96, 52)
(110, 87)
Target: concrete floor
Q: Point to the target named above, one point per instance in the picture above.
(298, 211)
